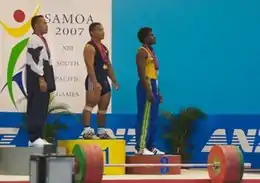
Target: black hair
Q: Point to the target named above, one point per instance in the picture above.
(35, 19)
(92, 26)
(143, 33)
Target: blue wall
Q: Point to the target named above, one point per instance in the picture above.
(208, 52)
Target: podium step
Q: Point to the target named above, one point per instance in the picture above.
(15, 160)
(158, 159)
(113, 152)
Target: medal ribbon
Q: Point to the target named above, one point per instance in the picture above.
(102, 51)
(156, 64)
(45, 44)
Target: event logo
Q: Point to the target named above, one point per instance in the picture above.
(248, 141)
(16, 51)
(67, 23)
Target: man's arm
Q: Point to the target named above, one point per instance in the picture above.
(111, 73)
(34, 58)
(89, 54)
(140, 61)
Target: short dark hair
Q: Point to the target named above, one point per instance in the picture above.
(143, 33)
(35, 19)
(92, 26)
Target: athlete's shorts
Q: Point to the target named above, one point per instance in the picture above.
(106, 88)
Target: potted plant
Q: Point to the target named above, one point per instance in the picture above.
(53, 123)
(179, 129)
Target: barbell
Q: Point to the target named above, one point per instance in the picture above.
(225, 164)
(160, 165)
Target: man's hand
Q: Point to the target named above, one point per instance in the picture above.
(161, 98)
(43, 84)
(150, 96)
(97, 87)
(116, 85)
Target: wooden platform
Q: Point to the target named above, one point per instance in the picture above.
(159, 159)
(187, 176)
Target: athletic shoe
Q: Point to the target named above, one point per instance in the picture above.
(157, 151)
(145, 152)
(89, 133)
(48, 143)
(105, 133)
(37, 143)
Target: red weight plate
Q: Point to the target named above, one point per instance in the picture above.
(216, 154)
(94, 164)
(238, 163)
(242, 165)
(234, 162)
(229, 170)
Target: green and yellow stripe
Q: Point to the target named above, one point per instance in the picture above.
(145, 122)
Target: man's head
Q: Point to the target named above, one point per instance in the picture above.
(96, 31)
(146, 36)
(39, 24)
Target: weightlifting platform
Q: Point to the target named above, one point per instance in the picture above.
(15, 160)
(85, 162)
(186, 176)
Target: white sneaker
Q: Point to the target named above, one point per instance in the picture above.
(157, 151)
(89, 133)
(145, 152)
(37, 143)
(48, 143)
(105, 133)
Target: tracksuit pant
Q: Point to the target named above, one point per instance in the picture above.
(147, 114)
(37, 113)
(37, 105)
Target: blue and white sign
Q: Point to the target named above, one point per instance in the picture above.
(241, 131)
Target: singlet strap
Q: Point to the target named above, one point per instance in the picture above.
(146, 50)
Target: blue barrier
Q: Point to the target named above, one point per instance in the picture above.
(240, 130)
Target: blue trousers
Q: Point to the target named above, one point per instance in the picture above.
(147, 114)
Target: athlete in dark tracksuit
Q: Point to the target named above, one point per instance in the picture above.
(148, 96)
(39, 82)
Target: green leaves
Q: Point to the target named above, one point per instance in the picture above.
(168, 116)
(59, 108)
(180, 128)
(51, 130)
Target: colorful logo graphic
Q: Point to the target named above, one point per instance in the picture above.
(16, 51)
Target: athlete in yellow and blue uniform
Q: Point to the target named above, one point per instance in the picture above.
(148, 96)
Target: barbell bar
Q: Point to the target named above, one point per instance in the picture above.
(158, 165)
(246, 165)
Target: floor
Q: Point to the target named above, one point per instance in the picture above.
(194, 176)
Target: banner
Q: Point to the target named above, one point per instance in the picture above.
(239, 130)
(68, 33)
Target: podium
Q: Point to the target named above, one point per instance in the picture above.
(113, 152)
(155, 159)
